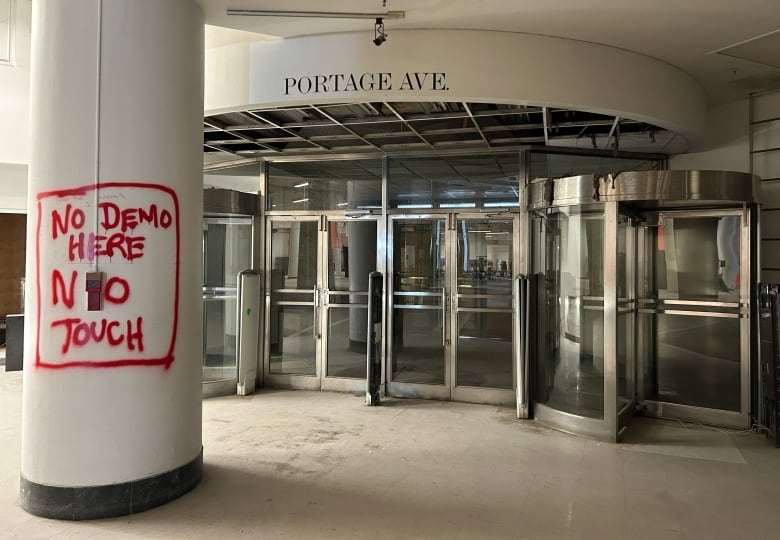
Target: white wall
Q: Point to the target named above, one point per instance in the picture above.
(726, 140)
(14, 104)
(13, 188)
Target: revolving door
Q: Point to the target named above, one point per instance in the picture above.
(642, 286)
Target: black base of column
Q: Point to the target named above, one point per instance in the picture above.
(96, 502)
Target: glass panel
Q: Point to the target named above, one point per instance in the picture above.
(219, 336)
(347, 342)
(625, 314)
(545, 165)
(293, 266)
(227, 246)
(484, 350)
(418, 354)
(484, 273)
(454, 182)
(570, 309)
(485, 261)
(325, 185)
(292, 349)
(227, 249)
(351, 257)
(697, 258)
(418, 255)
(293, 255)
(418, 266)
(352, 252)
(697, 361)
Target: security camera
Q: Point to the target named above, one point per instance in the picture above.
(379, 32)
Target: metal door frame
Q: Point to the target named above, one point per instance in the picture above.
(320, 304)
(741, 309)
(610, 426)
(225, 386)
(336, 384)
(450, 310)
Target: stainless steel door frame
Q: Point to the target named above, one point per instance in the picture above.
(289, 380)
(409, 389)
(740, 309)
(606, 428)
(449, 304)
(493, 396)
(330, 301)
(322, 302)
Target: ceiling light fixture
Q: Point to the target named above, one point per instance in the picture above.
(316, 14)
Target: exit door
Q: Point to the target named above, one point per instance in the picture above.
(452, 317)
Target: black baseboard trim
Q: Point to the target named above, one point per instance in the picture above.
(97, 502)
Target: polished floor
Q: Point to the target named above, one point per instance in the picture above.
(301, 465)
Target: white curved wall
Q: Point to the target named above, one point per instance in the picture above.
(478, 66)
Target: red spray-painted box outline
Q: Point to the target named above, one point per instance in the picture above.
(162, 361)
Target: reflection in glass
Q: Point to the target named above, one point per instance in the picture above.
(346, 356)
(697, 258)
(351, 258)
(326, 185)
(418, 267)
(485, 350)
(454, 181)
(568, 267)
(549, 165)
(294, 352)
(484, 270)
(219, 336)
(694, 359)
(293, 267)
(227, 250)
(625, 313)
(698, 361)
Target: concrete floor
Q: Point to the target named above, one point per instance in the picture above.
(299, 465)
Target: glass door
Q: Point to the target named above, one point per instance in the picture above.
(227, 250)
(419, 300)
(350, 255)
(292, 302)
(452, 323)
(317, 301)
(693, 316)
(483, 301)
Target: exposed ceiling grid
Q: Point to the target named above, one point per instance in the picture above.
(384, 128)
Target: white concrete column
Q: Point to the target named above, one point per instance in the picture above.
(111, 398)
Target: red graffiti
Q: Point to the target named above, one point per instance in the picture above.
(59, 288)
(81, 333)
(109, 295)
(73, 218)
(128, 219)
(88, 246)
(64, 320)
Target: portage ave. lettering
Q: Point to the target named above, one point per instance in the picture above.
(365, 82)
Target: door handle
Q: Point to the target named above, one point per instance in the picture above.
(445, 300)
(316, 305)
